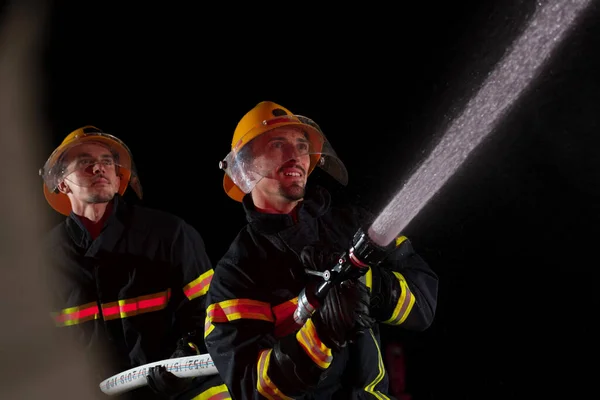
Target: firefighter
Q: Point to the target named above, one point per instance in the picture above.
(294, 236)
(128, 282)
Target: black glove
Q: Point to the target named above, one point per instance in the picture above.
(317, 258)
(165, 383)
(345, 310)
(344, 313)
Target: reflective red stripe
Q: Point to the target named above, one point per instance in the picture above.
(218, 396)
(230, 310)
(284, 310)
(264, 384)
(139, 305)
(199, 286)
(116, 309)
(311, 343)
(284, 318)
(76, 315)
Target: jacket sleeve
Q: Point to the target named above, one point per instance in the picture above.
(403, 286)
(254, 361)
(192, 275)
(403, 289)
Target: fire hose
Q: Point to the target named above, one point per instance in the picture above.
(182, 367)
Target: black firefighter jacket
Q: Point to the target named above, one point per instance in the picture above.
(258, 349)
(129, 295)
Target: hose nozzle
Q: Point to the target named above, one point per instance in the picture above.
(353, 264)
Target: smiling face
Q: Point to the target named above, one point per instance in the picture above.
(282, 156)
(92, 174)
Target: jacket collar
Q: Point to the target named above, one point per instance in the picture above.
(316, 203)
(78, 232)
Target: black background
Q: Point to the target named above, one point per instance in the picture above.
(513, 235)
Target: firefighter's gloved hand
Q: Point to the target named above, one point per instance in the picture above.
(186, 347)
(320, 258)
(317, 258)
(165, 383)
(343, 314)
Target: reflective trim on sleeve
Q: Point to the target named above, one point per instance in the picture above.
(405, 302)
(284, 318)
(199, 286)
(214, 393)
(284, 310)
(367, 279)
(399, 240)
(312, 345)
(208, 327)
(230, 310)
(264, 384)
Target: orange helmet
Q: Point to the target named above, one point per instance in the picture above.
(264, 117)
(53, 171)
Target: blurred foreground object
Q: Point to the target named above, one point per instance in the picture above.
(34, 363)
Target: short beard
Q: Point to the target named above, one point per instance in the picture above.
(292, 193)
(98, 198)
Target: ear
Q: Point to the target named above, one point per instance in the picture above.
(63, 187)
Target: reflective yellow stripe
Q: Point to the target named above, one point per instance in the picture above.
(117, 309)
(370, 388)
(76, 315)
(312, 345)
(405, 302)
(368, 279)
(264, 384)
(230, 310)
(199, 286)
(399, 240)
(135, 306)
(214, 393)
(208, 327)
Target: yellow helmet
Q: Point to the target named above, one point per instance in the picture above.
(54, 171)
(264, 117)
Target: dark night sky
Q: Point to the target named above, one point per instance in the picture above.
(512, 235)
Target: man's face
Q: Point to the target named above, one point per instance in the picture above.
(92, 174)
(282, 157)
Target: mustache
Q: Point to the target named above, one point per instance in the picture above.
(98, 177)
(299, 167)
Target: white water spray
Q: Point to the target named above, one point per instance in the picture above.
(548, 27)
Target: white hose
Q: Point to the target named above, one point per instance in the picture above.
(182, 367)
